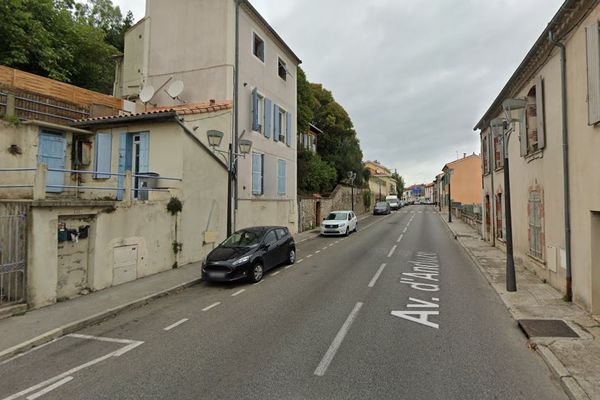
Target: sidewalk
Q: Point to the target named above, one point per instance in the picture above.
(36, 327)
(576, 362)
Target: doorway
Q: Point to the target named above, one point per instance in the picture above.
(133, 156)
(317, 213)
(52, 152)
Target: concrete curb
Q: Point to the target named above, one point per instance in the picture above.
(569, 384)
(92, 320)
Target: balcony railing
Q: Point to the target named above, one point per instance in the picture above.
(39, 182)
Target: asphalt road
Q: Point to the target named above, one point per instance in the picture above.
(395, 311)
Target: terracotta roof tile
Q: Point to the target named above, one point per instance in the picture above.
(181, 109)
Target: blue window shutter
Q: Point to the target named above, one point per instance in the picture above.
(103, 155)
(276, 127)
(122, 161)
(144, 151)
(281, 177)
(268, 119)
(288, 129)
(255, 110)
(257, 173)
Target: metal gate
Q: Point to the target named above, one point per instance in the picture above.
(13, 253)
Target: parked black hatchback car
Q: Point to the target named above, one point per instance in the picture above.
(249, 253)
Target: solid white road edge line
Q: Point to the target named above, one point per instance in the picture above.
(238, 292)
(337, 342)
(376, 276)
(211, 306)
(392, 251)
(50, 388)
(176, 324)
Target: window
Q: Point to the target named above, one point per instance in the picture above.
(498, 152)
(499, 216)
(259, 118)
(485, 151)
(258, 48)
(103, 155)
(281, 124)
(532, 132)
(258, 163)
(281, 233)
(282, 69)
(532, 129)
(281, 177)
(536, 236)
(271, 237)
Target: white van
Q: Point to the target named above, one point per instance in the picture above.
(393, 202)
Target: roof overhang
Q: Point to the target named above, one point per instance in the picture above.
(152, 117)
(570, 14)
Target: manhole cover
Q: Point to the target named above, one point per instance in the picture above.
(546, 328)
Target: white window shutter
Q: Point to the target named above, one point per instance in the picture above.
(541, 125)
(593, 72)
(523, 132)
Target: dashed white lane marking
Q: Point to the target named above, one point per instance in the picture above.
(309, 256)
(400, 238)
(238, 292)
(176, 324)
(325, 248)
(275, 273)
(259, 282)
(392, 251)
(376, 276)
(317, 252)
(331, 245)
(299, 261)
(212, 306)
(337, 342)
(405, 229)
(50, 388)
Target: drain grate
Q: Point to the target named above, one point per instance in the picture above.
(546, 328)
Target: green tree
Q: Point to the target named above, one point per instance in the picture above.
(59, 40)
(399, 183)
(314, 174)
(307, 102)
(339, 144)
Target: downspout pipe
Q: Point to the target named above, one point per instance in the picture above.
(236, 110)
(566, 180)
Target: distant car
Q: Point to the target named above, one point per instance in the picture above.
(249, 253)
(417, 202)
(402, 203)
(382, 208)
(339, 223)
(393, 201)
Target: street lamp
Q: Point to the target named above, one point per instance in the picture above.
(509, 105)
(230, 157)
(351, 178)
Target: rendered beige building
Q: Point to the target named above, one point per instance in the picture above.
(539, 192)
(381, 183)
(200, 42)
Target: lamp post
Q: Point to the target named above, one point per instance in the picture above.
(509, 106)
(230, 157)
(351, 178)
(449, 195)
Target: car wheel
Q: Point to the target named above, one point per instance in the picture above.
(256, 272)
(356, 228)
(291, 256)
(347, 231)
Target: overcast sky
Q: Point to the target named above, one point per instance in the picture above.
(415, 76)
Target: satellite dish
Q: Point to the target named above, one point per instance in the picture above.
(147, 93)
(175, 89)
